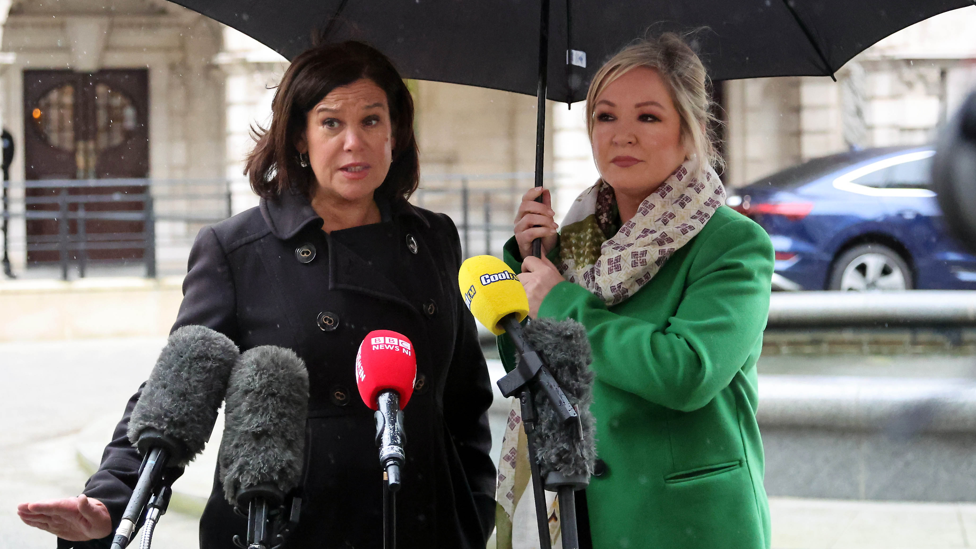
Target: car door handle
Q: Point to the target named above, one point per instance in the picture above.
(908, 214)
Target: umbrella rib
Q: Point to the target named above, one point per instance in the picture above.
(334, 20)
(809, 35)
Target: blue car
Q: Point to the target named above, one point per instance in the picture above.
(858, 221)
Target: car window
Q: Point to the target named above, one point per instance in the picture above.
(806, 172)
(909, 175)
(875, 179)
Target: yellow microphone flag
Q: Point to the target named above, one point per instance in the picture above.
(492, 291)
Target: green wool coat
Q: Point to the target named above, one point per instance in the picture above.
(676, 393)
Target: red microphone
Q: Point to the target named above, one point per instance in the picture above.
(386, 368)
(385, 362)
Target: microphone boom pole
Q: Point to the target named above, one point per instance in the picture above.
(175, 415)
(531, 375)
(153, 463)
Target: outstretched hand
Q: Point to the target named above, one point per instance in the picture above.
(74, 519)
(539, 276)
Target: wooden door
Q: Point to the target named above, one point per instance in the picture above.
(81, 131)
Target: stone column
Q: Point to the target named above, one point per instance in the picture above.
(763, 128)
(252, 71)
(821, 121)
(572, 156)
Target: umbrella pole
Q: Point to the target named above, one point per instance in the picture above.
(540, 126)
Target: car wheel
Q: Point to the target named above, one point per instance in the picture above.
(870, 267)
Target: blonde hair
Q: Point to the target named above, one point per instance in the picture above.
(683, 74)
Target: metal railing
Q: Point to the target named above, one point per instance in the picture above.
(482, 206)
(74, 220)
(55, 219)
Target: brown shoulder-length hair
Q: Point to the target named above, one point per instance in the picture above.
(272, 166)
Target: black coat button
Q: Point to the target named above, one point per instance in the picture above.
(600, 468)
(305, 253)
(339, 396)
(430, 308)
(412, 244)
(420, 384)
(327, 321)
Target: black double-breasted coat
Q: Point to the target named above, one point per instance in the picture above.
(271, 276)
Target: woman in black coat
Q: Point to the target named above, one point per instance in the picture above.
(333, 252)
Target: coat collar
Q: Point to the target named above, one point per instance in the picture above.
(289, 213)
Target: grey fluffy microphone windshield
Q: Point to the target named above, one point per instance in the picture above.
(178, 405)
(261, 453)
(175, 414)
(562, 447)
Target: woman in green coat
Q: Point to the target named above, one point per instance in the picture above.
(673, 290)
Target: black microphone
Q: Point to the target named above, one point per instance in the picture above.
(175, 414)
(566, 452)
(262, 449)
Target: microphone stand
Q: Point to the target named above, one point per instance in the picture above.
(155, 509)
(270, 518)
(390, 439)
(389, 513)
(565, 487)
(154, 463)
(538, 494)
(529, 376)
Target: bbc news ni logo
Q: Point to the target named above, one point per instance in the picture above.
(391, 343)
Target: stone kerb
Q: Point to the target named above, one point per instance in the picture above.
(88, 308)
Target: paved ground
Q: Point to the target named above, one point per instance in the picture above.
(58, 397)
(49, 393)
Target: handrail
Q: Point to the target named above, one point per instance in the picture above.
(905, 308)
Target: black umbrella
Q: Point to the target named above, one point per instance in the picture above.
(493, 43)
(532, 47)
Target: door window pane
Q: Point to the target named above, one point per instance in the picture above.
(115, 116)
(54, 117)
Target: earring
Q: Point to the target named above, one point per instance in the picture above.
(303, 160)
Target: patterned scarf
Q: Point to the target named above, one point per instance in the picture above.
(614, 263)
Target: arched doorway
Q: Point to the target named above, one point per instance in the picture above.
(86, 140)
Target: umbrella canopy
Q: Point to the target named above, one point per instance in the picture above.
(495, 43)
